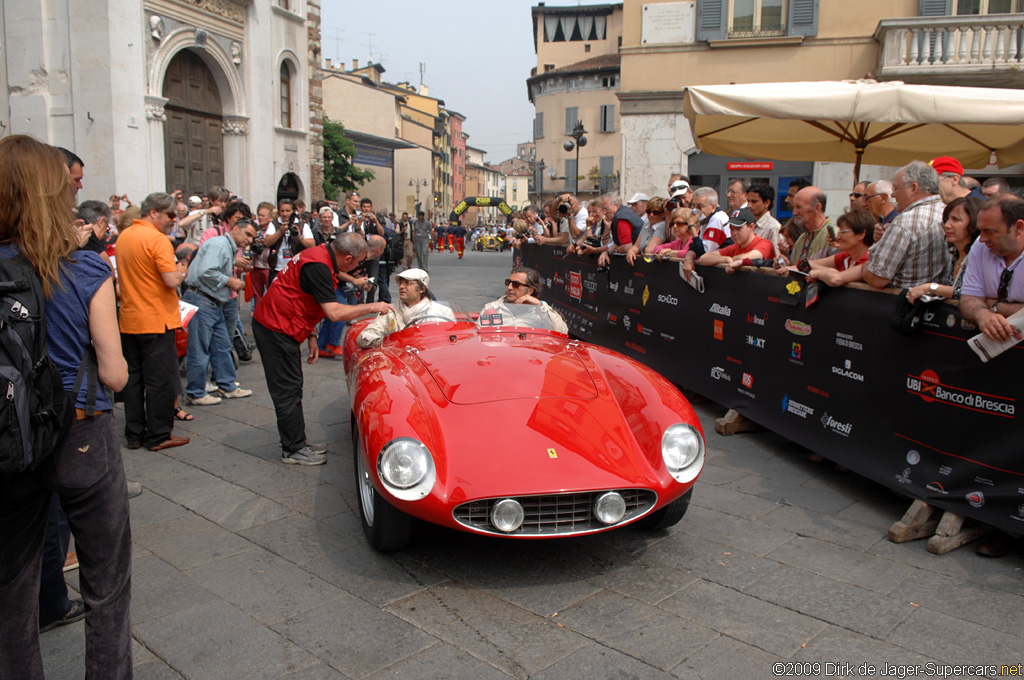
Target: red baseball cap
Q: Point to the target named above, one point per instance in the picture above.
(947, 164)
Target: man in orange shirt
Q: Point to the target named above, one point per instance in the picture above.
(148, 277)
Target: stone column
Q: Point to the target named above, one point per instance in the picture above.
(155, 120)
(316, 100)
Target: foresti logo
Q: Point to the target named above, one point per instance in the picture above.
(930, 388)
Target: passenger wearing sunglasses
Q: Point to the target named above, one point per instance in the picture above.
(993, 290)
(523, 287)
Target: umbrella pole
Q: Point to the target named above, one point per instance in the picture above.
(856, 166)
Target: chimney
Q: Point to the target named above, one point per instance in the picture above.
(355, 64)
(329, 65)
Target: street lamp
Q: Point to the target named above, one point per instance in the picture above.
(540, 173)
(580, 140)
(417, 183)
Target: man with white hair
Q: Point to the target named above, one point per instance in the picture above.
(413, 303)
(880, 202)
(714, 222)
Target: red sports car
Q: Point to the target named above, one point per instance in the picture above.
(507, 428)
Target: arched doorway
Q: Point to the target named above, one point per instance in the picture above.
(288, 187)
(193, 138)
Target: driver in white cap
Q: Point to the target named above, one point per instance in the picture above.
(414, 302)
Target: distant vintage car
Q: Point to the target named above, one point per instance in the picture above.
(505, 427)
(490, 242)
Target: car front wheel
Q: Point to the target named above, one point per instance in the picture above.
(668, 515)
(386, 527)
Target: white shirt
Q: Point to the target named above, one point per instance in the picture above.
(284, 253)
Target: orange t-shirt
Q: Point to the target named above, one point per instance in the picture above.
(147, 304)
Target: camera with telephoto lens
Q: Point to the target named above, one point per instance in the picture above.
(256, 247)
(563, 208)
(672, 204)
(592, 241)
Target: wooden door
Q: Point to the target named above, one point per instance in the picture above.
(193, 139)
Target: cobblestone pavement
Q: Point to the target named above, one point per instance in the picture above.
(246, 568)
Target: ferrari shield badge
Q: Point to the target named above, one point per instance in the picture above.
(552, 453)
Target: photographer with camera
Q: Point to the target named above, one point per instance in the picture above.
(196, 224)
(258, 252)
(286, 237)
(375, 268)
(572, 222)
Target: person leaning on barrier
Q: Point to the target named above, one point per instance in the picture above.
(651, 235)
(809, 209)
(414, 302)
(854, 235)
(747, 246)
(685, 245)
(960, 220)
(913, 249)
(523, 287)
(992, 291)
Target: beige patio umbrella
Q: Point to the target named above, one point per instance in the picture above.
(860, 121)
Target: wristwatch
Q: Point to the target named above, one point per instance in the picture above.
(995, 307)
(934, 287)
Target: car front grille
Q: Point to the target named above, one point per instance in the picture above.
(562, 514)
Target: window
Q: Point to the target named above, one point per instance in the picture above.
(284, 4)
(607, 170)
(570, 176)
(561, 28)
(538, 126)
(286, 96)
(607, 118)
(572, 114)
(549, 67)
(586, 48)
(609, 81)
(756, 17)
(967, 7)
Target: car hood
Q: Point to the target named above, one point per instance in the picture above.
(493, 367)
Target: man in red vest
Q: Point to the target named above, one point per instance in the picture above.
(301, 295)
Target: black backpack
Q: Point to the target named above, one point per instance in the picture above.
(35, 409)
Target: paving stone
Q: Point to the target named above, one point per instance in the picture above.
(151, 508)
(513, 640)
(1006, 573)
(645, 632)
(319, 502)
(791, 494)
(734, 531)
(725, 658)
(985, 606)
(842, 564)
(825, 527)
(372, 576)
(599, 662)
(848, 606)
(730, 501)
(642, 578)
(776, 467)
(142, 465)
(63, 650)
(709, 560)
(267, 478)
(350, 521)
(264, 586)
(952, 640)
(318, 671)
(772, 628)
(190, 541)
(158, 589)
(878, 510)
(716, 475)
(215, 640)
(239, 509)
(354, 637)
(189, 484)
(440, 661)
(155, 670)
(296, 538)
(838, 645)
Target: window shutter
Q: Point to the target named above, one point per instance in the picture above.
(607, 169)
(607, 118)
(711, 19)
(803, 17)
(571, 116)
(538, 126)
(933, 8)
(570, 176)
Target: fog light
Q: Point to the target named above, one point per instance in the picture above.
(507, 515)
(610, 508)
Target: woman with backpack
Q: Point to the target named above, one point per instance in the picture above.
(85, 469)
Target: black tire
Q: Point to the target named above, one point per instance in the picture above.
(386, 527)
(668, 516)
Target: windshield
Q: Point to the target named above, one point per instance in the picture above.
(529, 316)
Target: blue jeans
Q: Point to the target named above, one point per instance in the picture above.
(208, 344)
(331, 331)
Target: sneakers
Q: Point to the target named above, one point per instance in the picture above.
(335, 350)
(211, 387)
(76, 613)
(236, 393)
(205, 400)
(134, 489)
(317, 448)
(304, 456)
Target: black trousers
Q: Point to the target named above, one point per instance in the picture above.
(282, 366)
(88, 476)
(149, 394)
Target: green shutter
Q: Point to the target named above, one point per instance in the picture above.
(711, 16)
(803, 17)
(933, 8)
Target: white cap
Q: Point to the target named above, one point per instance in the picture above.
(677, 186)
(680, 192)
(638, 197)
(415, 275)
(194, 201)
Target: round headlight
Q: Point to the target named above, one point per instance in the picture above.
(507, 515)
(682, 449)
(610, 507)
(406, 468)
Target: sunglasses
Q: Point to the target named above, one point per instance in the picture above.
(515, 284)
(856, 195)
(1004, 285)
(172, 214)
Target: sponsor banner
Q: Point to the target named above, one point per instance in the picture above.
(920, 415)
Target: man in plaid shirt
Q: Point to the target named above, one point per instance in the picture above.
(913, 249)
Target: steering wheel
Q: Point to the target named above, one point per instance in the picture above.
(426, 318)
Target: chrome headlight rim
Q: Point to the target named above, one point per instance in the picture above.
(502, 507)
(415, 490)
(613, 501)
(688, 470)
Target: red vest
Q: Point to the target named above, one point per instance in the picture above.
(286, 308)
